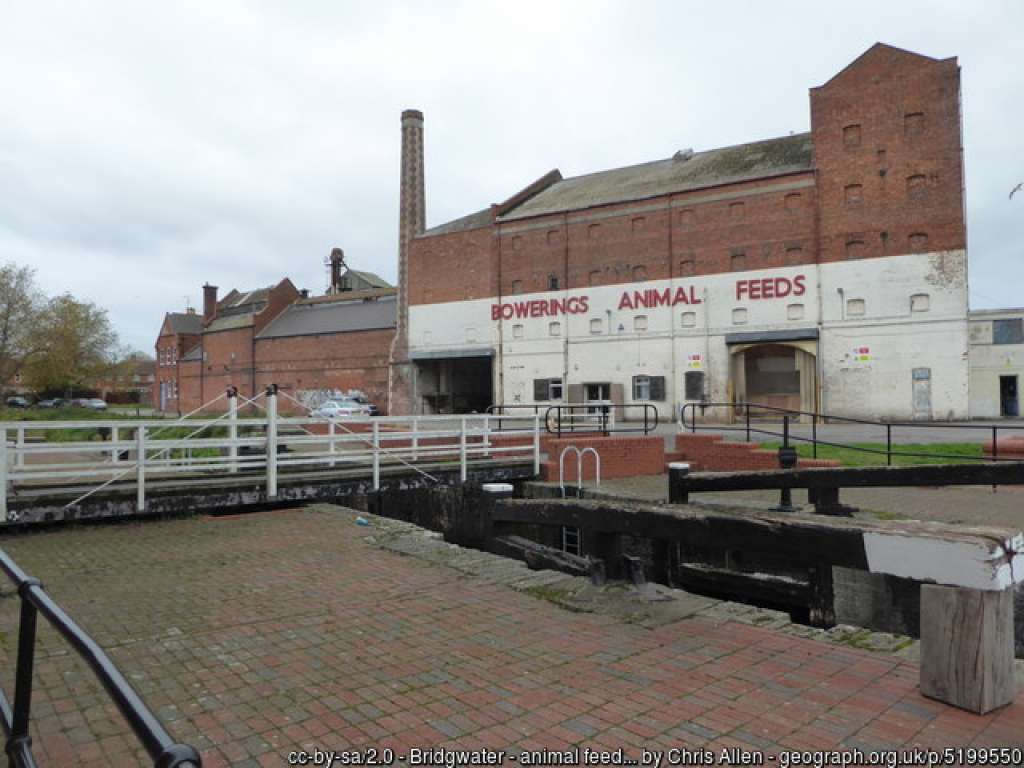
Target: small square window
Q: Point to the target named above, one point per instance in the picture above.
(913, 123)
(851, 135)
(739, 316)
(689, 319)
(640, 323)
(854, 194)
(738, 261)
(688, 265)
(639, 272)
(795, 312)
(517, 286)
(517, 331)
(595, 277)
(596, 325)
(554, 389)
(641, 387)
(855, 308)
(793, 201)
(555, 329)
(552, 282)
(919, 302)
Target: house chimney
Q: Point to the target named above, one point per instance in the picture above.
(209, 302)
(411, 213)
(337, 262)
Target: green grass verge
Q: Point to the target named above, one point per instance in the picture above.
(928, 453)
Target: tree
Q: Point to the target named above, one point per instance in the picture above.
(21, 304)
(80, 345)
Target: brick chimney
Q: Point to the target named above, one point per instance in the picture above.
(209, 302)
(411, 222)
(411, 209)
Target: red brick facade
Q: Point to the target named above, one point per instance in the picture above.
(231, 352)
(886, 178)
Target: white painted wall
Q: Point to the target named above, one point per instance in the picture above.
(875, 384)
(989, 361)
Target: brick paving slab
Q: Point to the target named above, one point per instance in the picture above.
(255, 635)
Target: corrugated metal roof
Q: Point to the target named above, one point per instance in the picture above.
(371, 279)
(306, 319)
(743, 162)
(185, 322)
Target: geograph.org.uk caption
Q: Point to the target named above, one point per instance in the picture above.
(659, 758)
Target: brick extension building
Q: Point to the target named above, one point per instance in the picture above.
(821, 270)
(307, 346)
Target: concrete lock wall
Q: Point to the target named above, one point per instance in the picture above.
(887, 336)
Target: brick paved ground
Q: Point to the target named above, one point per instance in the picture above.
(252, 636)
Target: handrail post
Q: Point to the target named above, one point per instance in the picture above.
(536, 444)
(462, 450)
(19, 461)
(888, 445)
(115, 437)
(376, 455)
(23, 676)
(233, 430)
(140, 469)
(487, 436)
(415, 439)
(746, 407)
(3, 475)
(330, 442)
(272, 441)
(814, 436)
(995, 443)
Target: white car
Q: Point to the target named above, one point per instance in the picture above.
(95, 404)
(340, 409)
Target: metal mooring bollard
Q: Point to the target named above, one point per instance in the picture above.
(677, 472)
(492, 493)
(787, 460)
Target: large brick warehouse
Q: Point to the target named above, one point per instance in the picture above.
(824, 270)
(308, 346)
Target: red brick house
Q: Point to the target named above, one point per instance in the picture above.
(278, 335)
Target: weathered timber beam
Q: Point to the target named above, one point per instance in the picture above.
(750, 587)
(1003, 473)
(539, 557)
(965, 556)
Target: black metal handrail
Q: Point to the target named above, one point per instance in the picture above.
(164, 751)
(816, 417)
(555, 415)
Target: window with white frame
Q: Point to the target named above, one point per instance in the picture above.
(648, 387)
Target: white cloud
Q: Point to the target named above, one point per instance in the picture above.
(148, 148)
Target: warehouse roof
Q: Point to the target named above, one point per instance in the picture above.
(473, 221)
(310, 318)
(684, 172)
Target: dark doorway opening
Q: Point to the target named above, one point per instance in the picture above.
(1009, 404)
(455, 384)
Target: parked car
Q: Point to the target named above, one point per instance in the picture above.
(94, 404)
(341, 408)
(55, 402)
(372, 409)
(17, 401)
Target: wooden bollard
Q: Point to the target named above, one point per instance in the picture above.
(967, 647)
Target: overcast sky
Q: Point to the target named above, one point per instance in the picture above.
(146, 148)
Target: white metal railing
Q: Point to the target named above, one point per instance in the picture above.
(579, 467)
(40, 454)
